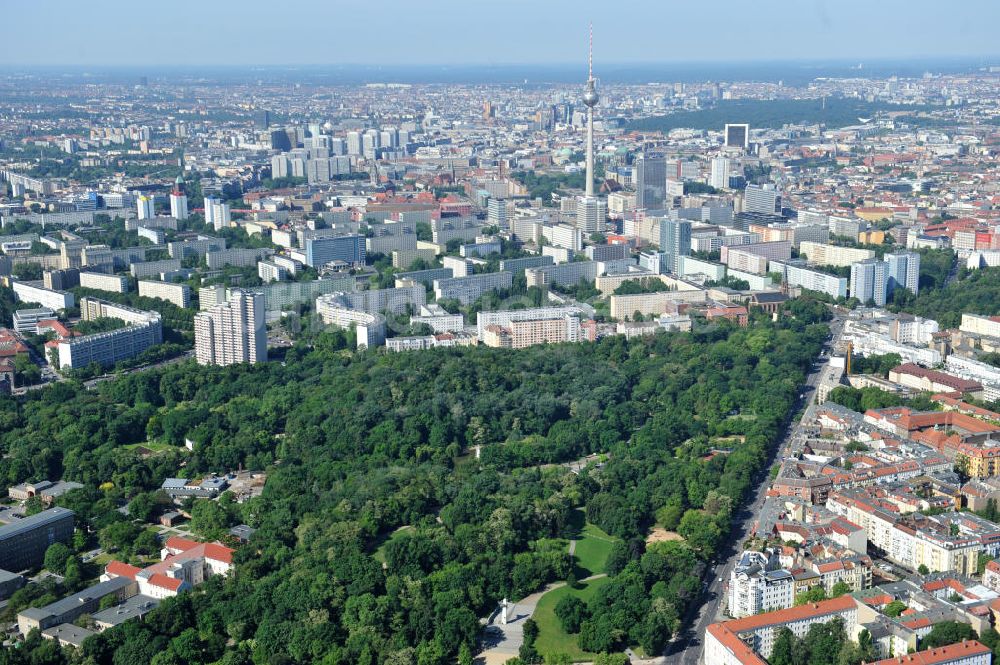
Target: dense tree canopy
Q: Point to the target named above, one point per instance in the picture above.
(357, 445)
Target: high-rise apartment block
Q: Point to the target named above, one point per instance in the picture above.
(763, 199)
(145, 207)
(232, 332)
(217, 213)
(178, 205)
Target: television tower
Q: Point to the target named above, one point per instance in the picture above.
(590, 100)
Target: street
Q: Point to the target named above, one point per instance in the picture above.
(686, 648)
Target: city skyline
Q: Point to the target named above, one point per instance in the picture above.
(216, 35)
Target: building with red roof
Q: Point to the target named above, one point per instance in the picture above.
(968, 652)
(185, 565)
(750, 640)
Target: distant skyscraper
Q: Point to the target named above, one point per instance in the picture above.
(721, 171)
(591, 213)
(675, 240)
(145, 207)
(354, 143)
(232, 332)
(650, 182)
(262, 119)
(737, 136)
(763, 199)
(496, 212)
(178, 205)
(280, 166)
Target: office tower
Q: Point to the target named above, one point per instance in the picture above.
(675, 240)
(388, 137)
(763, 199)
(145, 206)
(262, 119)
(721, 171)
(178, 205)
(350, 249)
(591, 213)
(280, 140)
(650, 182)
(354, 143)
(869, 281)
(737, 136)
(496, 212)
(338, 146)
(232, 332)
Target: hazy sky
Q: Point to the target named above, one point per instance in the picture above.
(210, 32)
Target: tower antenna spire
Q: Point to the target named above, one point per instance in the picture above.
(590, 54)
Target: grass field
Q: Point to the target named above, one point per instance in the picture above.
(154, 446)
(551, 637)
(592, 550)
(379, 554)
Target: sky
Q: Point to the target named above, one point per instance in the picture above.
(473, 32)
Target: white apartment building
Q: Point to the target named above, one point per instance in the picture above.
(178, 294)
(760, 591)
(813, 280)
(974, 370)
(241, 257)
(438, 319)
(178, 205)
(563, 235)
(34, 292)
(104, 282)
(369, 328)
(151, 268)
(833, 255)
(467, 289)
(271, 272)
(232, 332)
(142, 331)
(974, 324)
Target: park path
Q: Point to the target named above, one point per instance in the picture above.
(501, 643)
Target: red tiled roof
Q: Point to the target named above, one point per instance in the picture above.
(161, 580)
(727, 632)
(218, 552)
(939, 656)
(121, 569)
(181, 544)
